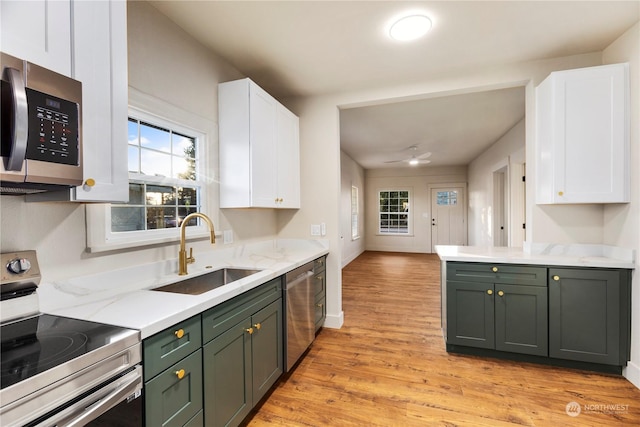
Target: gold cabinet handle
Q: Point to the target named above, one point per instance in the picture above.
(250, 330)
(179, 333)
(257, 326)
(500, 293)
(320, 261)
(556, 278)
(319, 305)
(489, 292)
(180, 374)
(319, 277)
(560, 193)
(494, 269)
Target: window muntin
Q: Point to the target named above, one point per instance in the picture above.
(393, 211)
(164, 184)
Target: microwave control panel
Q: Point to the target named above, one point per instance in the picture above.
(54, 129)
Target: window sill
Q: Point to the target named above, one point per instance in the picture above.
(395, 234)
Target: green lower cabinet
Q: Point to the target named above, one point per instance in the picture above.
(589, 315)
(241, 365)
(498, 316)
(174, 397)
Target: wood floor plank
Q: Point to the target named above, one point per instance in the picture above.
(387, 366)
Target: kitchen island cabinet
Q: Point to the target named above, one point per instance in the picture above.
(320, 289)
(259, 149)
(502, 307)
(564, 315)
(588, 315)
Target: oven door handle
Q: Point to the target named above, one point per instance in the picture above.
(80, 413)
(19, 121)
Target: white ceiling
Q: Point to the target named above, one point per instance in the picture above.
(304, 48)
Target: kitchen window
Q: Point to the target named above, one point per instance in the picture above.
(164, 184)
(172, 173)
(393, 212)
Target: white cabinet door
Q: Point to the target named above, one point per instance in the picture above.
(38, 31)
(582, 143)
(259, 149)
(262, 130)
(100, 31)
(288, 155)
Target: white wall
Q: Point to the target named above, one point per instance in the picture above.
(622, 222)
(418, 180)
(351, 174)
(507, 152)
(166, 63)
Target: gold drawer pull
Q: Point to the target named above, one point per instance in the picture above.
(250, 330)
(319, 305)
(489, 291)
(500, 293)
(257, 326)
(180, 374)
(556, 278)
(494, 269)
(179, 333)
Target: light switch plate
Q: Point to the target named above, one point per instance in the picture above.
(227, 236)
(315, 229)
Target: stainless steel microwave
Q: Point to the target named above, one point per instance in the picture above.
(40, 128)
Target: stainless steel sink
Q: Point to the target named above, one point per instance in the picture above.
(201, 284)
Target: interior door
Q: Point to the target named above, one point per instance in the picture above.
(448, 225)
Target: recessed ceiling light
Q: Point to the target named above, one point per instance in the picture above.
(410, 27)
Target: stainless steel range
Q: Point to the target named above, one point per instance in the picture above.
(58, 371)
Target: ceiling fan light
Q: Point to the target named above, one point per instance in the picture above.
(410, 27)
(414, 162)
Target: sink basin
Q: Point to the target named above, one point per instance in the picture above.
(201, 284)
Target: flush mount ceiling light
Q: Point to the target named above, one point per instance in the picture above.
(410, 27)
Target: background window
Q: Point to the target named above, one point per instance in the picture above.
(393, 212)
(164, 184)
(447, 198)
(354, 213)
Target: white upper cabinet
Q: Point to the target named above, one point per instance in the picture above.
(85, 40)
(38, 31)
(582, 136)
(259, 149)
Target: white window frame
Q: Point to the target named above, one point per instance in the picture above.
(355, 212)
(99, 235)
(408, 213)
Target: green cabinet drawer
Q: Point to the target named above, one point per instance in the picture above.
(320, 264)
(174, 397)
(197, 421)
(320, 310)
(167, 347)
(319, 283)
(219, 319)
(496, 273)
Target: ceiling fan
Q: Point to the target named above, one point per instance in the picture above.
(415, 159)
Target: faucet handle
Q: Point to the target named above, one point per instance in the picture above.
(190, 258)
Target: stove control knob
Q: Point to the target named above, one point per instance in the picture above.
(19, 265)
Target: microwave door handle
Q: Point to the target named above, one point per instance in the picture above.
(20, 120)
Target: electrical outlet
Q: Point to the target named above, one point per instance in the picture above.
(227, 236)
(315, 229)
(323, 229)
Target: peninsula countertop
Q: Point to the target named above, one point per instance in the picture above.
(125, 297)
(598, 256)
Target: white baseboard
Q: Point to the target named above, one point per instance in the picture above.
(346, 261)
(632, 373)
(334, 321)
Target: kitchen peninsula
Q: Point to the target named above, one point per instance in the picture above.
(566, 305)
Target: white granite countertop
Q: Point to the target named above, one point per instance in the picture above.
(600, 256)
(124, 297)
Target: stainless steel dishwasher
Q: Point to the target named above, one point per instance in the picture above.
(300, 319)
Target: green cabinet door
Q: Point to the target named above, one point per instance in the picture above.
(521, 319)
(227, 376)
(589, 315)
(174, 397)
(470, 314)
(266, 346)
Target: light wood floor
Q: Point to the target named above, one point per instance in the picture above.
(387, 366)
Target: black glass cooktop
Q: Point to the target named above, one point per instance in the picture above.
(34, 345)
